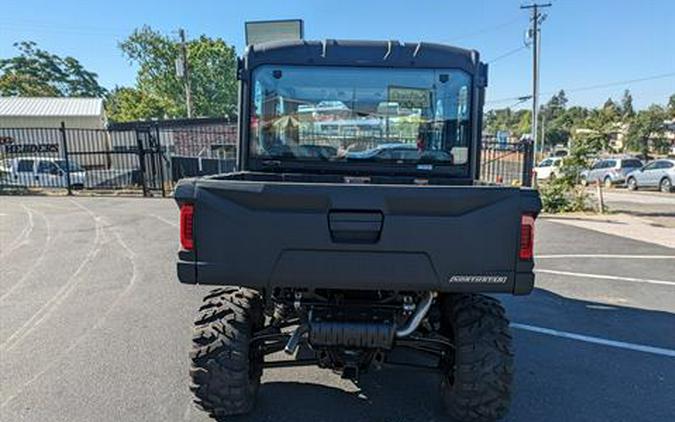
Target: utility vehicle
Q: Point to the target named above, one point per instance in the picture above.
(342, 259)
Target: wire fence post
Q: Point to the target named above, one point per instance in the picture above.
(528, 157)
(161, 160)
(141, 162)
(64, 140)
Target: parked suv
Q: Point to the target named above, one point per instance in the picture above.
(657, 174)
(42, 172)
(610, 171)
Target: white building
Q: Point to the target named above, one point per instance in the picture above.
(30, 126)
(49, 112)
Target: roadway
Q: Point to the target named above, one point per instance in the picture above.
(94, 326)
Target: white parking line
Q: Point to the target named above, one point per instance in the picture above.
(596, 340)
(606, 277)
(164, 220)
(607, 256)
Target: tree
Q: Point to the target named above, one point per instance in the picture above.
(647, 127)
(212, 65)
(671, 106)
(627, 104)
(127, 104)
(611, 107)
(38, 73)
(555, 106)
(516, 122)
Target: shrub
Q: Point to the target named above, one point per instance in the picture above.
(559, 195)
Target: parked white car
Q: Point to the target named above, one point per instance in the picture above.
(657, 174)
(548, 168)
(42, 172)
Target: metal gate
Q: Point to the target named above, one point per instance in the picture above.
(152, 161)
(506, 163)
(75, 159)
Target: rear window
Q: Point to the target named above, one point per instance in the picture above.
(25, 166)
(631, 163)
(46, 167)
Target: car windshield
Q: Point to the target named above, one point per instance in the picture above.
(74, 167)
(340, 114)
(631, 163)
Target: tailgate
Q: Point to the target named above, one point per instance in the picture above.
(398, 237)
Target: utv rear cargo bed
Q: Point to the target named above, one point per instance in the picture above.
(365, 237)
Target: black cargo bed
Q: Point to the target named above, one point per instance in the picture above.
(366, 236)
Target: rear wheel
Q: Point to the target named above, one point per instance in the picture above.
(632, 183)
(225, 371)
(478, 377)
(666, 185)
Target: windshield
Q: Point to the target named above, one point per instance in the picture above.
(74, 167)
(344, 115)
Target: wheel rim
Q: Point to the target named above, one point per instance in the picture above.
(632, 184)
(608, 182)
(665, 185)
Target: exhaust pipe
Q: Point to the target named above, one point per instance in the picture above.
(414, 321)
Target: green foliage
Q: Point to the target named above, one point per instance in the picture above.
(647, 128)
(559, 195)
(591, 129)
(517, 122)
(128, 104)
(38, 73)
(627, 105)
(554, 196)
(161, 93)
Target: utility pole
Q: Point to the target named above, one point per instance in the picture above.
(536, 19)
(186, 73)
(542, 141)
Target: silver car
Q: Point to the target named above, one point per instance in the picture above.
(657, 174)
(610, 171)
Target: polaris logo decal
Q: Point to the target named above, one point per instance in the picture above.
(478, 279)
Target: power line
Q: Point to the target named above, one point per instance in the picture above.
(592, 87)
(507, 54)
(610, 84)
(483, 30)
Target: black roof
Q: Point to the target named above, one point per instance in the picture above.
(362, 53)
(170, 123)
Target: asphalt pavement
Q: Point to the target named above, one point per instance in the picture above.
(95, 326)
(656, 207)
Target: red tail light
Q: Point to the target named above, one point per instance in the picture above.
(526, 237)
(187, 212)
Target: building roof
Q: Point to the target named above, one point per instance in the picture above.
(50, 106)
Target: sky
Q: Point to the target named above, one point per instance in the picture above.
(585, 43)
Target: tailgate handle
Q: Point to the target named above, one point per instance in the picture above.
(355, 226)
